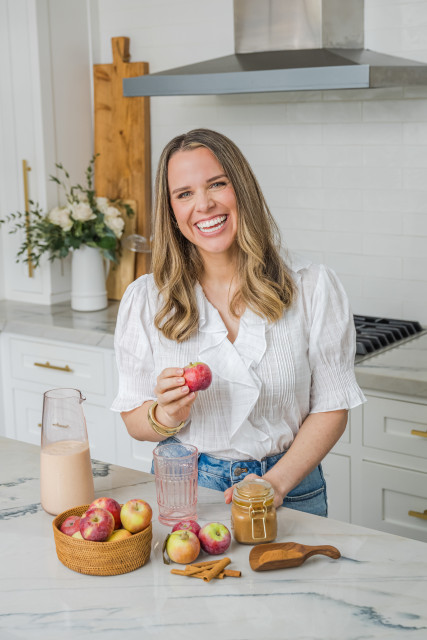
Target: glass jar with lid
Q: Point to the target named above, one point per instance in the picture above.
(253, 514)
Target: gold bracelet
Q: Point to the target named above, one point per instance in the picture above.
(160, 428)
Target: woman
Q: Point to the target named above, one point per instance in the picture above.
(279, 340)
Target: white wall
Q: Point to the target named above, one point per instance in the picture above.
(345, 172)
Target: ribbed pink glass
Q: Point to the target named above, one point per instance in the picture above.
(175, 471)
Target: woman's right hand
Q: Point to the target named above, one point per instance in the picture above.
(174, 399)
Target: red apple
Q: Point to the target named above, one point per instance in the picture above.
(110, 505)
(119, 534)
(136, 515)
(197, 376)
(214, 538)
(70, 525)
(189, 525)
(97, 525)
(182, 547)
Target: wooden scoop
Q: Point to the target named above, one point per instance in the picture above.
(281, 555)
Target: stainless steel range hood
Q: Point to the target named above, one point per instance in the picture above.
(288, 45)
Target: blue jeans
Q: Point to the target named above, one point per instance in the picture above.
(215, 473)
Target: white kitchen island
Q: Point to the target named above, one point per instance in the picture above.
(377, 589)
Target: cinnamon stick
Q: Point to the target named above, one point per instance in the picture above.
(217, 569)
(209, 563)
(202, 573)
(187, 572)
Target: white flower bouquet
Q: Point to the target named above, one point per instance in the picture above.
(85, 219)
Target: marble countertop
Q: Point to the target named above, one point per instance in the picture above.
(402, 369)
(377, 589)
(60, 322)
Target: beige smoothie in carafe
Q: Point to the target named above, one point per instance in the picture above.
(65, 476)
(66, 479)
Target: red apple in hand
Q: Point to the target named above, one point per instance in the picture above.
(182, 547)
(97, 525)
(110, 505)
(136, 515)
(71, 525)
(214, 538)
(197, 376)
(187, 525)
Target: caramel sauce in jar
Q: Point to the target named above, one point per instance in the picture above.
(253, 514)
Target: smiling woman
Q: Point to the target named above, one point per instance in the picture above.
(206, 209)
(278, 337)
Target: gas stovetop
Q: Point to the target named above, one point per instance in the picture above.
(374, 334)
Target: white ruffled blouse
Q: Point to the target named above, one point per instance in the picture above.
(265, 383)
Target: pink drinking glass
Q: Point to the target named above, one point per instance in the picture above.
(175, 471)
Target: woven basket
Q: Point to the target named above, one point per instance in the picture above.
(100, 558)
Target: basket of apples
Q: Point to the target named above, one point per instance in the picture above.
(104, 538)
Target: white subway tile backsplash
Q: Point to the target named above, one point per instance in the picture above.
(363, 133)
(415, 179)
(383, 156)
(415, 224)
(387, 245)
(415, 133)
(324, 112)
(299, 218)
(402, 200)
(415, 310)
(395, 111)
(349, 221)
(415, 269)
(265, 155)
(342, 156)
(307, 155)
(378, 266)
(342, 199)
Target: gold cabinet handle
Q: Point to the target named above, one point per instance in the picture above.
(47, 365)
(418, 514)
(39, 425)
(416, 432)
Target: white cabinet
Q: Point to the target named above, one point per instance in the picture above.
(382, 467)
(45, 118)
(395, 499)
(32, 366)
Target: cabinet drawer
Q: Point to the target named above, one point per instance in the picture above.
(54, 365)
(392, 425)
(389, 494)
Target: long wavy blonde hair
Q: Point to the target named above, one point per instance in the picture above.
(265, 285)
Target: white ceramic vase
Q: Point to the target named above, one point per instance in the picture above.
(88, 276)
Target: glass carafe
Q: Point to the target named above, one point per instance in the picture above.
(66, 478)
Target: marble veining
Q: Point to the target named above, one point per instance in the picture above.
(377, 589)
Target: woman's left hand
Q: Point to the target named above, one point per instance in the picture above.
(228, 493)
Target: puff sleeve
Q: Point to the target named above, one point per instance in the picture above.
(133, 349)
(332, 345)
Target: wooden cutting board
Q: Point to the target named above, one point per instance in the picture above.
(282, 555)
(122, 138)
(121, 275)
